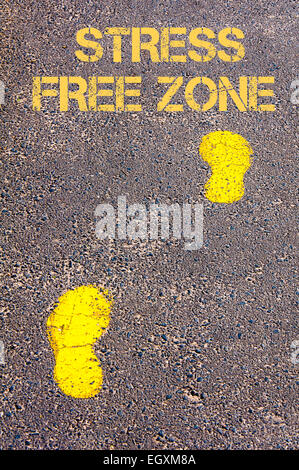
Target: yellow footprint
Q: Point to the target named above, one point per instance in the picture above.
(73, 327)
(229, 156)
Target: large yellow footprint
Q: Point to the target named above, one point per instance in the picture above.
(229, 156)
(73, 327)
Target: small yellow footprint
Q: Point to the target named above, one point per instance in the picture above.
(229, 156)
(73, 327)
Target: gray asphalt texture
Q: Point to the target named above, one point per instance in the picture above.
(197, 354)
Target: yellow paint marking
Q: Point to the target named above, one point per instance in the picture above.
(229, 156)
(73, 327)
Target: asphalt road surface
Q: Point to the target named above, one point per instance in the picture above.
(198, 351)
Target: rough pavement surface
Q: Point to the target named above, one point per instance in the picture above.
(197, 354)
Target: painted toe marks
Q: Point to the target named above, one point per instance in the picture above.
(73, 327)
(229, 156)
